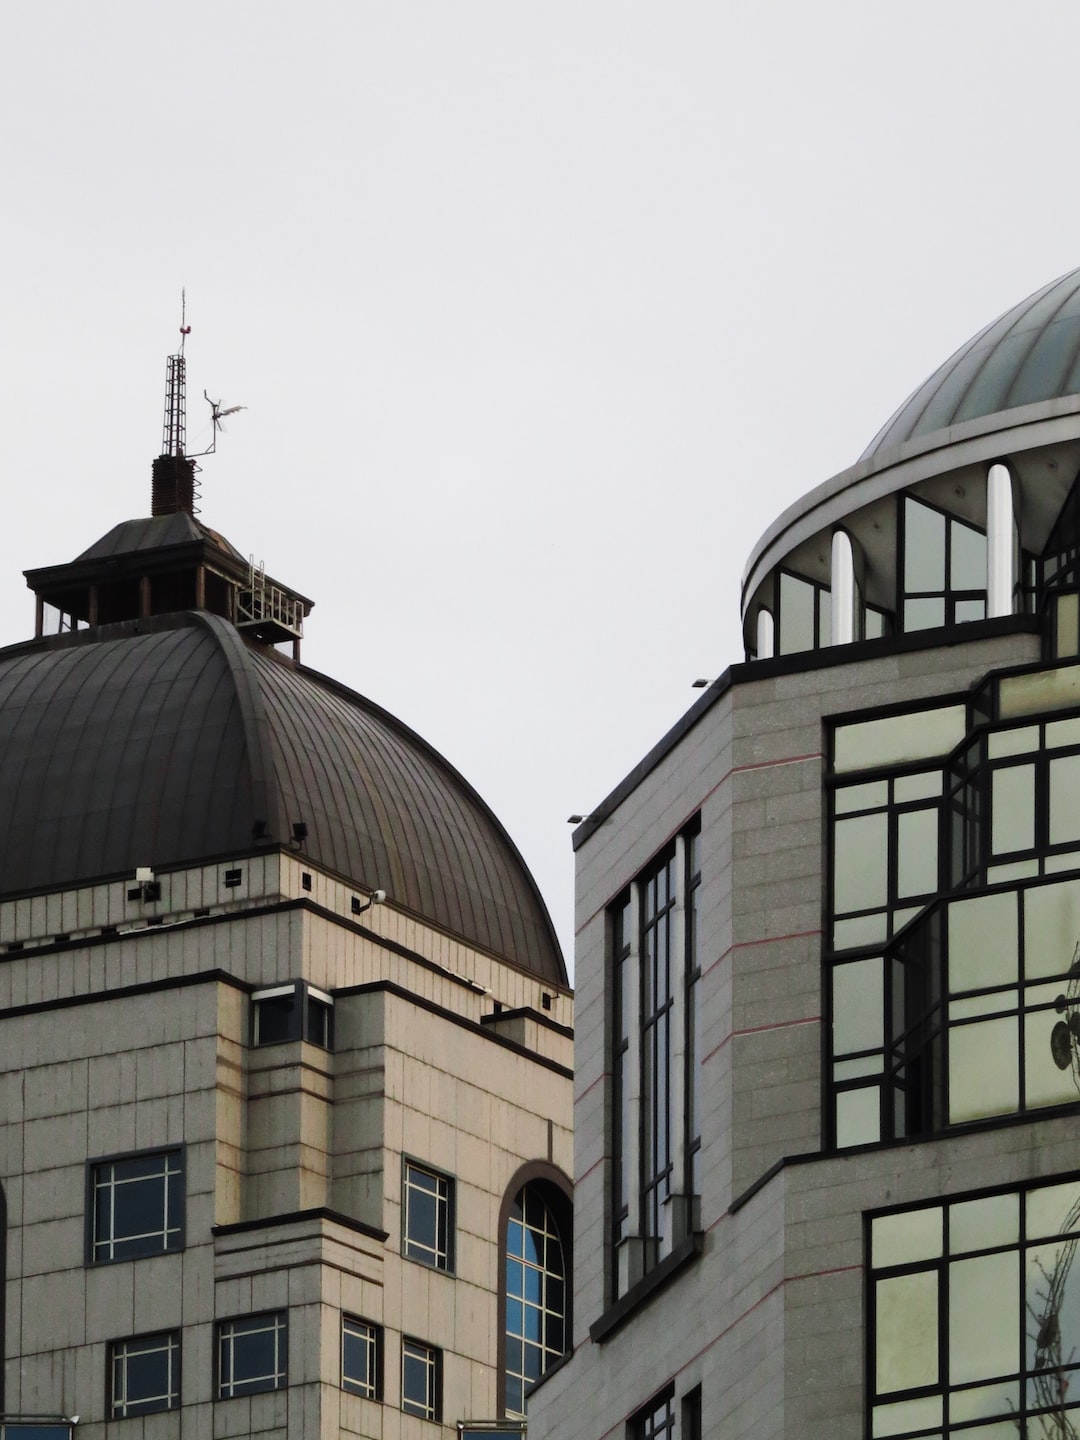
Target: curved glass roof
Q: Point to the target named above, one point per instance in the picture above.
(172, 742)
(1029, 354)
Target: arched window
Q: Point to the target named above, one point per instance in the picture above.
(535, 1298)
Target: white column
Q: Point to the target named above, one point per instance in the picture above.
(766, 634)
(843, 589)
(1000, 541)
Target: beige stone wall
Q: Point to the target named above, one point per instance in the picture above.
(140, 1039)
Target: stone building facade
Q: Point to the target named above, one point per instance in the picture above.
(828, 970)
(285, 1043)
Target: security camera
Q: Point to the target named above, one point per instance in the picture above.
(378, 896)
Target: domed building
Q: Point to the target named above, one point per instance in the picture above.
(828, 962)
(285, 1037)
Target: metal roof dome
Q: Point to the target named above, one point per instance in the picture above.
(172, 740)
(1029, 354)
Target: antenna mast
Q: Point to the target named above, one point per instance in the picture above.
(174, 431)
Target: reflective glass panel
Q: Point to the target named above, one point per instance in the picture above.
(1051, 928)
(968, 571)
(981, 1224)
(983, 1070)
(924, 614)
(861, 862)
(1053, 1210)
(1053, 1305)
(917, 787)
(1012, 801)
(907, 1237)
(1064, 799)
(906, 1351)
(872, 796)
(982, 942)
(917, 852)
(924, 547)
(984, 1297)
(797, 631)
(1021, 740)
(894, 739)
(858, 1117)
(858, 1006)
(1051, 1060)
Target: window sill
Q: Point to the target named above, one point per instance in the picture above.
(642, 1292)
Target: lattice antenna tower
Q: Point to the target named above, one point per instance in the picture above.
(174, 430)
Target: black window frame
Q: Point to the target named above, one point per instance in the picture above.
(372, 1345)
(227, 1331)
(656, 1419)
(951, 597)
(551, 1286)
(659, 886)
(137, 1245)
(431, 1357)
(435, 1250)
(121, 1352)
(1032, 1330)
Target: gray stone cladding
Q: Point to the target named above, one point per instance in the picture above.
(768, 1319)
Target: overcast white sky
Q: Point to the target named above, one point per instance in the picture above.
(542, 313)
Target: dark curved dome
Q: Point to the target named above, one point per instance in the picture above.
(172, 741)
(1029, 354)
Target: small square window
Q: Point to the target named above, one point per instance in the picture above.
(361, 1357)
(144, 1374)
(252, 1354)
(136, 1206)
(295, 1011)
(232, 878)
(421, 1379)
(275, 1015)
(429, 1220)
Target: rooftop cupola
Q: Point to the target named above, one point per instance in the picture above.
(169, 561)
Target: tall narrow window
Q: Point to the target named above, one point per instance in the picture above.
(536, 1285)
(656, 1051)
(693, 1018)
(429, 1217)
(361, 1357)
(421, 1379)
(656, 1005)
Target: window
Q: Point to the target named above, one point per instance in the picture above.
(144, 1374)
(429, 1220)
(536, 1330)
(136, 1206)
(361, 1357)
(691, 1415)
(296, 1011)
(944, 943)
(805, 612)
(975, 1315)
(421, 1379)
(252, 1354)
(656, 1420)
(656, 1042)
(944, 568)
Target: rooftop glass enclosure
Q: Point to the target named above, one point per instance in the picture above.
(966, 506)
